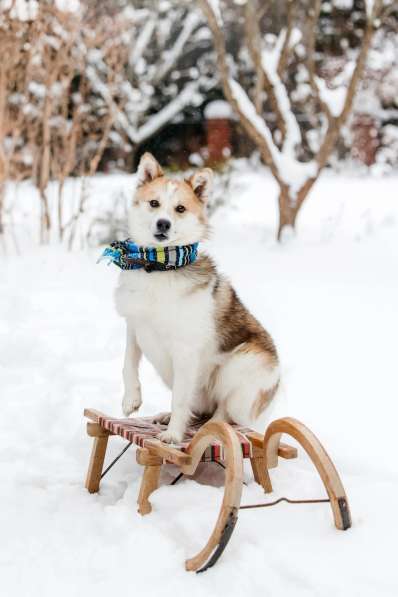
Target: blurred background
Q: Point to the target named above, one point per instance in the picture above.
(87, 86)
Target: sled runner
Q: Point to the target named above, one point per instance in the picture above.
(214, 441)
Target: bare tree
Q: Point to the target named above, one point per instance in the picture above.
(52, 122)
(281, 147)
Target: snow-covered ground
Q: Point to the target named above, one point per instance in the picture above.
(330, 300)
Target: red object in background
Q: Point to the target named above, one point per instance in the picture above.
(218, 136)
(365, 139)
(218, 115)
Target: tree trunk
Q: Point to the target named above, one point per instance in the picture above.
(289, 205)
(45, 222)
(288, 210)
(2, 195)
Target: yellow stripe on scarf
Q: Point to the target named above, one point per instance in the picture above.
(161, 257)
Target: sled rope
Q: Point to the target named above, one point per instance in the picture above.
(108, 468)
(180, 475)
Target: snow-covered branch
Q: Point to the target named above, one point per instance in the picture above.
(156, 121)
(153, 122)
(270, 60)
(141, 43)
(292, 172)
(289, 172)
(171, 56)
(335, 96)
(216, 9)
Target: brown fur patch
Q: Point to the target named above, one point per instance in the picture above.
(202, 273)
(259, 348)
(236, 326)
(148, 169)
(262, 401)
(201, 182)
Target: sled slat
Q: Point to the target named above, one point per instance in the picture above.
(95, 430)
(93, 414)
(286, 451)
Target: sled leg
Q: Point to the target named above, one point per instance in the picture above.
(259, 468)
(261, 462)
(150, 479)
(97, 458)
(321, 460)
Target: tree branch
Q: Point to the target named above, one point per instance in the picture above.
(270, 61)
(254, 46)
(286, 43)
(262, 138)
(190, 23)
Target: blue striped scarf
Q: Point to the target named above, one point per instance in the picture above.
(127, 255)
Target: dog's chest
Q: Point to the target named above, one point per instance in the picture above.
(165, 310)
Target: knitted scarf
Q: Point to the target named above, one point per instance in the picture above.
(127, 255)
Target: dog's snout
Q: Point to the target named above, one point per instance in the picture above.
(163, 225)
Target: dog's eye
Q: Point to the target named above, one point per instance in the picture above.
(154, 203)
(180, 209)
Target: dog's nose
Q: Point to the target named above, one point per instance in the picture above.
(163, 225)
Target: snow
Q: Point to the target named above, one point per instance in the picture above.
(68, 5)
(335, 96)
(171, 56)
(369, 4)
(215, 6)
(23, 10)
(218, 109)
(142, 42)
(343, 4)
(328, 297)
(270, 60)
(166, 114)
(37, 89)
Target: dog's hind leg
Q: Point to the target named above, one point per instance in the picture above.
(246, 386)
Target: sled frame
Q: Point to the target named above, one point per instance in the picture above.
(266, 449)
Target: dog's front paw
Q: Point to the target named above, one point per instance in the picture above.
(162, 418)
(131, 403)
(170, 437)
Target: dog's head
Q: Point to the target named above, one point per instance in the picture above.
(167, 211)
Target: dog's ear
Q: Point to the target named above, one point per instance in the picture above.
(148, 169)
(202, 183)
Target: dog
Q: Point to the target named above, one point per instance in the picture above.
(189, 323)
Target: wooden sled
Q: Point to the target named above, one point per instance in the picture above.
(214, 442)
